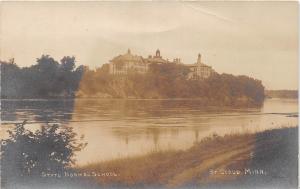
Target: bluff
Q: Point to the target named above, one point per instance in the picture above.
(171, 81)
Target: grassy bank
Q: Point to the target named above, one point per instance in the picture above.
(265, 159)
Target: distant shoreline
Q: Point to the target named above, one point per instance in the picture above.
(103, 98)
(201, 101)
(269, 94)
(286, 94)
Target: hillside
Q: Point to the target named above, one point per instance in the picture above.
(170, 81)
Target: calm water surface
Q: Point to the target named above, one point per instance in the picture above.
(121, 128)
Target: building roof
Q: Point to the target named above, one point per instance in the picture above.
(128, 57)
(156, 60)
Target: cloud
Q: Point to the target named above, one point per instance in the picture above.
(205, 11)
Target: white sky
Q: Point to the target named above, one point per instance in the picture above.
(258, 39)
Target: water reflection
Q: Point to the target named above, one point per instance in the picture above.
(118, 128)
(57, 110)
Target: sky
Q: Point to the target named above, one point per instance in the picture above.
(258, 39)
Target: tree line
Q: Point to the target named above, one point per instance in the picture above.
(50, 78)
(47, 78)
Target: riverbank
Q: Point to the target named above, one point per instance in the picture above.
(265, 159)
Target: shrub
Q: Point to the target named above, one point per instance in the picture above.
(50, 149)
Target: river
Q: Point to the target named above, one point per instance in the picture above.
(122, 128)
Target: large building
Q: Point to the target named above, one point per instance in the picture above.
(126, 63)
(199, 70)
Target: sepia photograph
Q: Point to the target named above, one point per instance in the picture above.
(149, 94)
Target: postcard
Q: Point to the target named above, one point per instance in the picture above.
(149, 94)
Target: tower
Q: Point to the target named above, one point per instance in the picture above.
(199, 59)
(128, 51)
(157, 54)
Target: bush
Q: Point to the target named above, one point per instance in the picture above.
(27, 154)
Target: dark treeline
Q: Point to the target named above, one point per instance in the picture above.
(49, 78)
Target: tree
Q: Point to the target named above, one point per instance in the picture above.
(68, 63)
(47, 64)
(45, 79)
(10, 79)
(27, 154)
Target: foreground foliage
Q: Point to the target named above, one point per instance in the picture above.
(27, 154)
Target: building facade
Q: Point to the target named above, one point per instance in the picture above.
(157, 58)
(124, 64)
(127, 63)
(199, 70)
